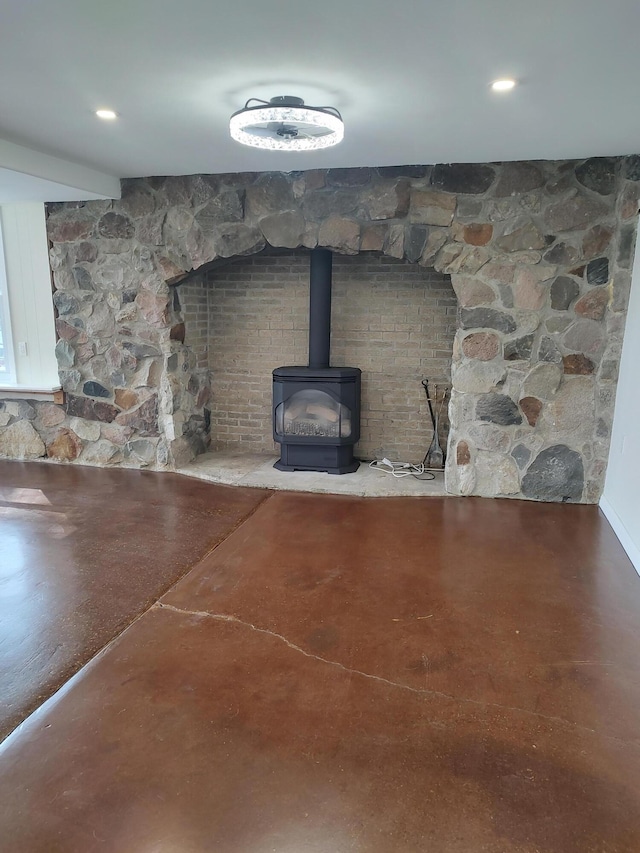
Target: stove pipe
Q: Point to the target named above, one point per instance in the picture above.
(320, 308)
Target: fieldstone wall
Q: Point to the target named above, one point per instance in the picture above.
(539, 255)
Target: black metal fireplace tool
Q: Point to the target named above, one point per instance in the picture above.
(435, 455)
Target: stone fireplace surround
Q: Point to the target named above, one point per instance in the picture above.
(539, 255)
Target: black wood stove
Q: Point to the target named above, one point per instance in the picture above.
(316, 409)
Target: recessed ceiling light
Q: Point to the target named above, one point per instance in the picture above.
(106, 114)
(503, 85)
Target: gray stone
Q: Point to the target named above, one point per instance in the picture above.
(70, 379)
(101, 322)
(140, 350)
(498, 409)
(609, 371)
(431, 207)
(598, 174)
(489, 437)
(82, 278)
(573, 407)
(284, 229)
(49, 414)
(563, 291)
(95, 389)
(136, 200)
(352, 177)
(558, 324)
(472, 292)
(65, 354)
(66, 303)
(226, 207)
(415, 237)
(563, 254)
(87, 430)
(20, 409)
(496, 475)
(387, 201)
(520, 238)
(587, 336)
(238, 239)
(598, 271)
(100, 453)
(521, 454)
(21, 441)
(542, 381)
(477, 378)
(394, 241)
(271, 193)
(517, 178)
(436, 239)
(340, 234)
(455, 258)
(519, 350)
(468, 207)
(320, 204)
(467, 178)
(632, 167)
(143, 450)
(487, 318)
(548, 351)
(575, 213)
(626, 245)
(115, 226)
(556, 474)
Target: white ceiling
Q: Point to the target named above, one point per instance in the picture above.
(411, 78)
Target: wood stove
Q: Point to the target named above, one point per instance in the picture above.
(316, 409)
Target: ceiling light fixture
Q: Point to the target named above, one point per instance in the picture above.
(106, 114)
(286, 124)
(503, 85)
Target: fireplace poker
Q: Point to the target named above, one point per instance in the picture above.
(434, 457)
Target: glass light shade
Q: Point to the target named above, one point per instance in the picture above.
(314, 128)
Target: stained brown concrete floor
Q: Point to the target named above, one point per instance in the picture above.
(83, 551)
(345, 674)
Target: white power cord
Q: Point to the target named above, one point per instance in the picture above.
(401, 469)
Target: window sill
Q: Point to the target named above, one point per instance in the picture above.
(24, 392)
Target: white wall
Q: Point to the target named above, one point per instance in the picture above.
(621, 499)
(26, 258)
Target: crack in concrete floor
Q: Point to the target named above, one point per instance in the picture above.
(221, 617)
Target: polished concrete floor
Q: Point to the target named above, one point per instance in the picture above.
(343, 674)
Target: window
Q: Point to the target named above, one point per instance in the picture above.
(27, 323)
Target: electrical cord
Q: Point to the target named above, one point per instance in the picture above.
(402, 469)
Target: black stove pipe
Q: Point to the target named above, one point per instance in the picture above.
(320, 308)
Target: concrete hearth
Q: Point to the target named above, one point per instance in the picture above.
(256, 470)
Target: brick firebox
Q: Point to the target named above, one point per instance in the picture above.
(392, 318)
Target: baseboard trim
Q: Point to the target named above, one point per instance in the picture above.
(633, 551)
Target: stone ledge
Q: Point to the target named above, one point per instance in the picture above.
(20, 392)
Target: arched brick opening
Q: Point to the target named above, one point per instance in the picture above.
(392, 318)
